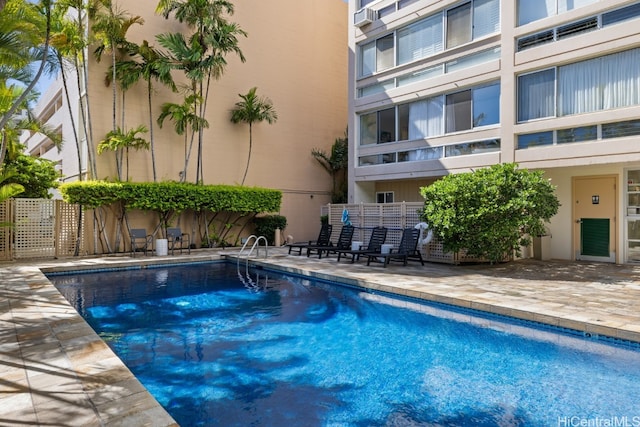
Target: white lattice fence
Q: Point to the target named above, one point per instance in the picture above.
(67, 221)
(34, 228)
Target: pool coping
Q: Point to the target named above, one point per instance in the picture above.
(56, 370)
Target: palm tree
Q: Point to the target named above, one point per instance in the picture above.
(253, 109)
(149, 65)
(202, 55)
(184, 116)
(335, 164)
(20, 36)
(118, 140)
(110, 28)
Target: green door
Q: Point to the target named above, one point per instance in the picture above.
(594, 233)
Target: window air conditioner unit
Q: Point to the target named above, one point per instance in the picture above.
(364, 16)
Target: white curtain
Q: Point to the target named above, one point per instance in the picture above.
(486, 17)
(425, 118)
(620, 72)
(579, 87)
(536, 95)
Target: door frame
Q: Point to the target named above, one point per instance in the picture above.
(613, 236)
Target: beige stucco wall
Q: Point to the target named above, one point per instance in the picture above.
(296, 54)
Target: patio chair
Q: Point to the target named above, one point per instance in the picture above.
(344, 242)
(408, 249)
(140, 240)
(377, 239)
(324, 239)
(177, 239)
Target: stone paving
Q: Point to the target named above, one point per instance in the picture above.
(55, 370)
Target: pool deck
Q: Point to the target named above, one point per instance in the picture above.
(55, 370)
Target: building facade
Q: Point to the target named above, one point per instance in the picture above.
(441, 87)
(296, 55)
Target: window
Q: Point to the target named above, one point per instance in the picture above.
(429, 153)
(486, 105)
(536, 94)
(535, 139)
(476, 147)
(384, 197)
(419, 40)
(621, 129)
(386, 125)
(621, 15)
(459, 25)
(533, 10)
(458, 111)
(368, 128)
(486, 17)
(421, 119)
(376, 56)
(581, 134)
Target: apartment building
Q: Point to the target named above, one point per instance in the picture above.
(296, 55)
(441, 87)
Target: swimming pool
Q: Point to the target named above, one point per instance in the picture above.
(218, 347)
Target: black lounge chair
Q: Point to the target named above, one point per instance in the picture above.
(140, 240)
(344, 242)
(177, 240)
(324, 239)
(378, 236)
(408, 249)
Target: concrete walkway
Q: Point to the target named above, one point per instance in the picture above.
(55, 370)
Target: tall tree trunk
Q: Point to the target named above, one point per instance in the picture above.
(153, 152)
(248, 157)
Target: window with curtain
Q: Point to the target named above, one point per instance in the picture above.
(425, 118)
(603, 83)
(486, 17)
(420, 40)
(536, 95)
(459, 25)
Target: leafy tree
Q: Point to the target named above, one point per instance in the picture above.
(201, 56)
(184, 117)
(253, 109)
(490, 212)
(25, 30)
(36, 176)
(148, 64)
(336, 164)
(123, 140)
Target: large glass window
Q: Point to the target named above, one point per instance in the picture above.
(458, 25)
(486, 105)
(368, 128)
(458, 111)
(420, 40)
(486, 17)
(387, 125)
(384, 53)
(536, 95)
(376, 56)
(533, 10)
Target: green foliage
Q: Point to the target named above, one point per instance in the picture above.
(172, 196)
(266, 226)
(489, 212)
(36, 176)
(336, 165)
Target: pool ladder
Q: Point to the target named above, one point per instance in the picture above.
(248, 282)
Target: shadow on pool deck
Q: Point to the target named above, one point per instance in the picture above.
(55, 370)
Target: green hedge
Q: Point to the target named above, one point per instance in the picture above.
(172, 196)
(266, 226)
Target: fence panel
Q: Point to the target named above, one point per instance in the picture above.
(34, 228)
(68, 220)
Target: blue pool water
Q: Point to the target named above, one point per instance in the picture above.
(218, 347)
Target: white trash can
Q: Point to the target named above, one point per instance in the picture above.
(162, 247)
(385, 249)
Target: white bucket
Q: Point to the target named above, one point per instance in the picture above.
(355, 246)
(162, 247)
(385, 249)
